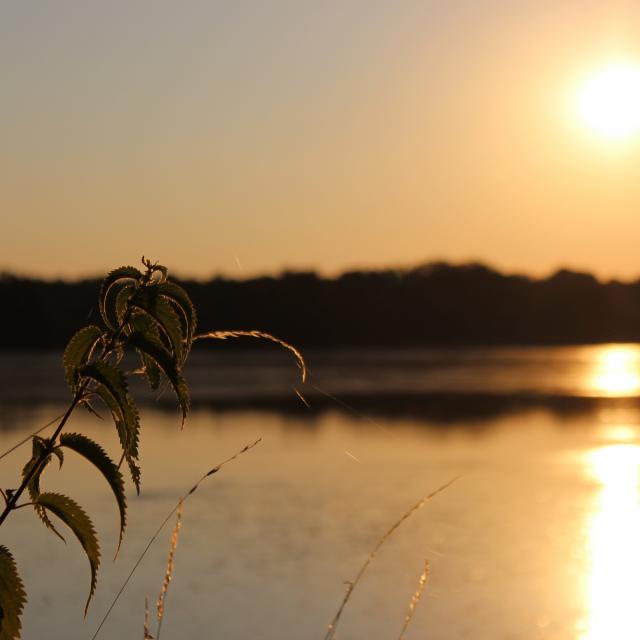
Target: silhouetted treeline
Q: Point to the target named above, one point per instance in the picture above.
(438, 304)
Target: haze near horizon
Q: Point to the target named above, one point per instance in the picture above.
(248, 137)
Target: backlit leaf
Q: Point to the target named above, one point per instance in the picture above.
(121, 276)
(12, 596)
(33, 487)
(122, 301)
(95, 454)
(144, 324)
(78, 351)
(58, 454)
(111, 387)
(157, 352)
(123, 432)
(181, 300)
(167, 319)
(72, 514)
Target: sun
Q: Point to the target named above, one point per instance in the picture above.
(608, 103)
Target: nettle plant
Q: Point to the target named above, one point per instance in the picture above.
(142, 311)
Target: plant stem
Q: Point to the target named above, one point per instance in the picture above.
(49, 448)
(106, 350)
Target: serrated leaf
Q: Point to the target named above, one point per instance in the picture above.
(122, 301)
(33, 486)
(115, 381)
(122, 274)
(89, 407)
(151, 371)
(144, 324)
(162, 270)
(182, 301)
(166, 318)
(123, 432)
(95, 454)
(74, 516)
(111, 387)
(12, 597)
(78, 351)
(58, 454)
(157, 352)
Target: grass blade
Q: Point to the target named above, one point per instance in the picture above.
(261, 335)
(415, 598)
(168, 574)
(352, 585)
(162, 525)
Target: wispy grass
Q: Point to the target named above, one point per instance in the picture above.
(168, 574)
(261, 335)
(415, 598)
(330, 634)
(178, 505)
(147, 632)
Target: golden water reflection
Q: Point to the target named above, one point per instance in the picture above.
(616, 371)
(614, 546)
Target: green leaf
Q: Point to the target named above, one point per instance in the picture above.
(122, 301)
(160, 269)
(123, 432)
(111, 387)
(179, 297)
(12, 597)
(143, 323)
(33, 487)
(78, 352)
(167, 319)
(95, 454)
(120, 275)
(151, 371)
(72, 514)
(58, 454)
(157, 352)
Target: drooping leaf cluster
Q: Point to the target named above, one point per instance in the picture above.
(12, 596)
(144, 312)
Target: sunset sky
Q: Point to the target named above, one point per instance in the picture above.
(246, 137)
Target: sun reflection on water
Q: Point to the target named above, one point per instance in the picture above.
(617, 371)
(614, 546)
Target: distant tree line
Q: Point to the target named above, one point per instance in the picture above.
(435, 304)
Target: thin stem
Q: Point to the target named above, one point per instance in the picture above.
(11, 504)
(24, 504)
(162, 525)
(106, 350)
(35, 433)
(331, 631)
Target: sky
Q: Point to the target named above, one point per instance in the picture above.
(249, 137)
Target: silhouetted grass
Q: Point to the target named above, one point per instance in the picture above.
(353, 584)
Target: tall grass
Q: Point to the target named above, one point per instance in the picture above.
(154, 537)
(331, 630)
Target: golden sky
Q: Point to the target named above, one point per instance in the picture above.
(245, 137)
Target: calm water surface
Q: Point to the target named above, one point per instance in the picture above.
(538, 539)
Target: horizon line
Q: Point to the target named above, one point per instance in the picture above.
(287, 271)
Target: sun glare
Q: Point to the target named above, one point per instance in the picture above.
(609, 101)
(614, 530)
(616, 371)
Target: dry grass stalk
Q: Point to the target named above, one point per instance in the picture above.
(224, 335)
(352, 585)
(162, 525)
(147, 633)
(415, 599)
(169, 570)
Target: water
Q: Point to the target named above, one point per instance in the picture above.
(538, 539)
